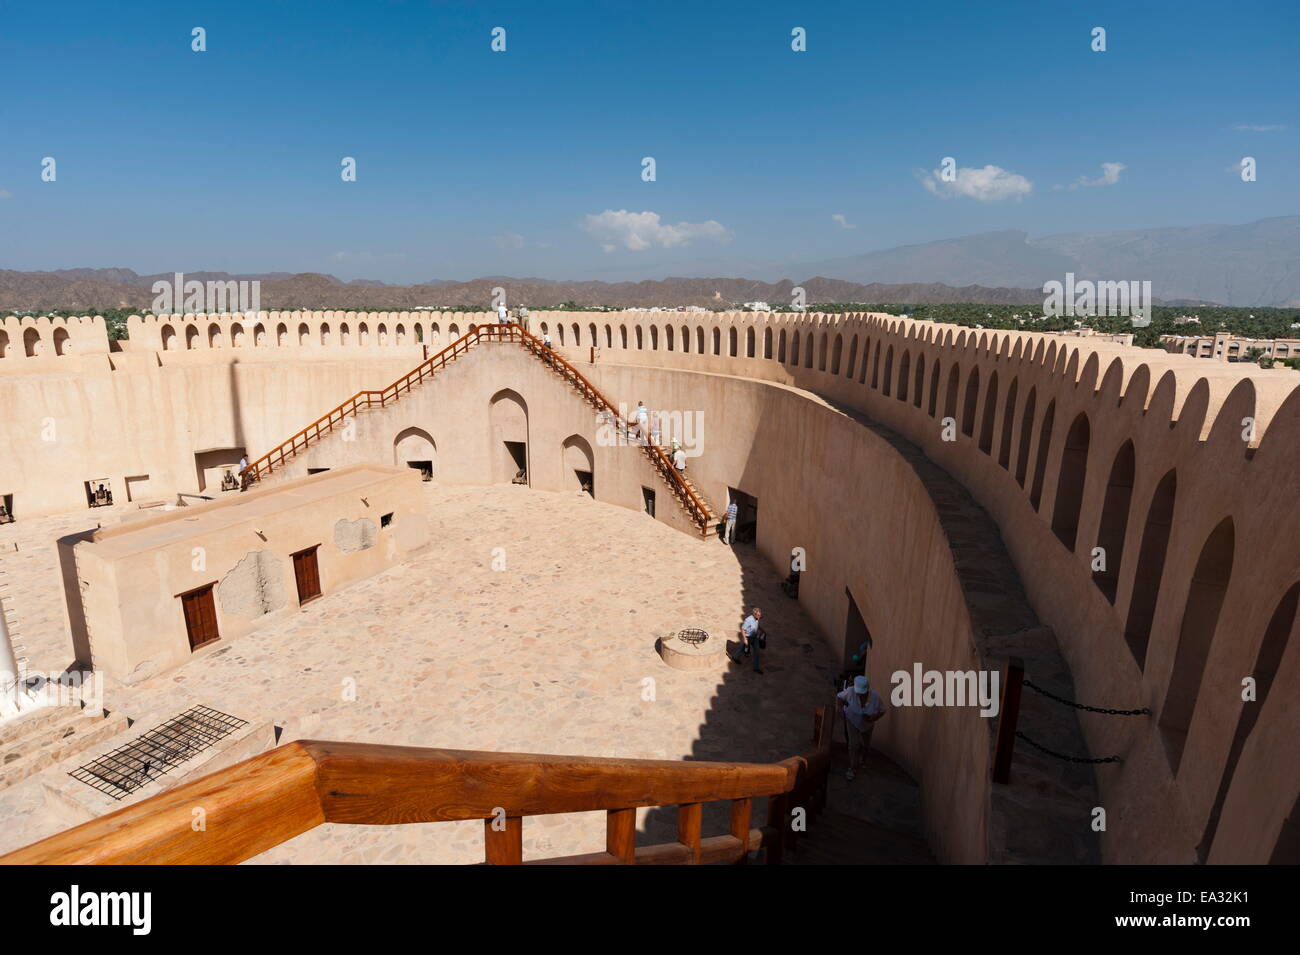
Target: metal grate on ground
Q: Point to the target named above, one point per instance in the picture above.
(132, 766)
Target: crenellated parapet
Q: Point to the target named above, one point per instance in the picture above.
(297, 330)
(42, 337)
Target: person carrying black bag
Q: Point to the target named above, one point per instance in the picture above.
(753, 639)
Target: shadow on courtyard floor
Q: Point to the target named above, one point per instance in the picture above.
(750, 720)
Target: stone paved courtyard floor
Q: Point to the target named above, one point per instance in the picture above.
(551, 654)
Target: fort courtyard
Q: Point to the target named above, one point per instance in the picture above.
(554, 652)
(416, 574)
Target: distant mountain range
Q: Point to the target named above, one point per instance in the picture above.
(97, 289)
(1256, 264)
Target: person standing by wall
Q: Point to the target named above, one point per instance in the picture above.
(862, 708)
(729, 522)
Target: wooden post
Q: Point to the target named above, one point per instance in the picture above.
(741, 810)
(504, 846)
(778, 825)
(620, 834)
(689, 819)
(1008, 717)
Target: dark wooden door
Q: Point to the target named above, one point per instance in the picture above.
(307, 573)
(200, 616)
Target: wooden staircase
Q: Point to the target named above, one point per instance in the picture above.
(273, 797)
(686, 494)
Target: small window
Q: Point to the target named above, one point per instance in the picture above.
(386, 520)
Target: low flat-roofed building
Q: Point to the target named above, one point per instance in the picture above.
(1225, 346)
(152, 592)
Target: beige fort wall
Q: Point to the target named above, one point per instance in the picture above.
(1220, 609)
(764, 440)
(1217, 604)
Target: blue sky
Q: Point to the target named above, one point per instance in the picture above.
(474, 163)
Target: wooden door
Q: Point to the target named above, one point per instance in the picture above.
(307, 574)
(200, 616)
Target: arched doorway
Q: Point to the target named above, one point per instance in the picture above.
(508, 437)
(579, 463)
(415, 448)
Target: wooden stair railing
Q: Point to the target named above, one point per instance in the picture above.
(700, 513)
(261, 802)
(323, 425)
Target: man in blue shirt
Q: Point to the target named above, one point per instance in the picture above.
(729, 527)
(752, 639)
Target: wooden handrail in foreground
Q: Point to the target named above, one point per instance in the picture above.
(277, 456)
(261, 802)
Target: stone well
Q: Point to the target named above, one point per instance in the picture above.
(691, 649)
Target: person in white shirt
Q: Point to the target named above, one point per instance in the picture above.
(642, 421)
(503, 316)
(679, 461)
(862, 708)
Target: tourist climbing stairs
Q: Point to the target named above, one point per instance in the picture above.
(684, 491)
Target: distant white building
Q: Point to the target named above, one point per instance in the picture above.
(758, 306)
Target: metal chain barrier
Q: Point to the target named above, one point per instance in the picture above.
(1080, 706)
(1068, 759)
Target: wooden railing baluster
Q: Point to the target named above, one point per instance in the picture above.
(503, 841)
(741, 813)
(778, 824)
(620, 835)
(690, 817)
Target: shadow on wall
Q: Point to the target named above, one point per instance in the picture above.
(236, 409)
(71, 586)
(768, 717)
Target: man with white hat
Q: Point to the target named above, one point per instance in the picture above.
(862, 708)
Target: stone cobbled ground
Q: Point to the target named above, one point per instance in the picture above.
(552, 653)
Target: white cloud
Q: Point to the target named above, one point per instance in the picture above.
(1249, 128)
(844, 222)
(509, 240)
(990, 184)
(642, 230)
(6, 194)
(1109, 176)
